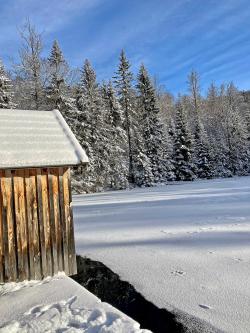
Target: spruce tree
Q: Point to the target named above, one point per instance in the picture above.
(6, 90)
(151, 126)
(117, 138)
(123, 83)
(202, 156)
(184, 167)
(56, 89)
(59, 95)
(236, 133)
(92, 131)
(202, 153)
(169, 150)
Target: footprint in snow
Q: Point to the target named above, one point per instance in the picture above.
(204, 306)
(238, 259)
(167, 232)
(178, 273)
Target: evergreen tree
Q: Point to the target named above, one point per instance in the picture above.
(202, 156)
(92, 131)
(151, 126)
(169, 150)
(236, 133)
(56, 89)
(184, 167)
(6, 90)
(123, 84)
(59, 95)
(117, 139)
(202, 153)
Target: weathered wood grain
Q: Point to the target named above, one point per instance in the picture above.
(36, 224)
(52, 223)
(69, 221)
(41, 223)
(9, 229)
(63, 223)
(21, 224)
(1, 231)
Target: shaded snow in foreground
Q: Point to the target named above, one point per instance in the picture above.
(64, 306)
(185, 246)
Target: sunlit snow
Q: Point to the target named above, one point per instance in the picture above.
(184, 246)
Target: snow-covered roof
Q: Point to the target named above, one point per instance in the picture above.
(31, 138)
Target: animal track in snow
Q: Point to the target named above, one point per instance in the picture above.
(204, 306)
(179, 273)
(238, 259)
(167, 232)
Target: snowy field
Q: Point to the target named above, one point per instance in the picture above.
(184, 246)
(58, 304)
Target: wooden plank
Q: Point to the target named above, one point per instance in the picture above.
(46, 221)
(29, 224)
(72, 233)
(63, 224)
(9, 231)
(32, 224)
(41, 223)
(53, 222)
(4, 189)
(1, 231)
(58, 230)
(69, 222)
(35, 224)
(21, 224)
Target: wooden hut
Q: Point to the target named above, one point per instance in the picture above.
(37, 149)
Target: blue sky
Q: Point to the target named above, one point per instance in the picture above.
(170, 37)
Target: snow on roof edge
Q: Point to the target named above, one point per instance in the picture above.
(78, 148)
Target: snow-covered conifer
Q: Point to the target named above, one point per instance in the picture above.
(117, 138)
(151, 126)
(184, 167)
(59, 95)
(236, 133)
(123, 83)
(92, 131)
(202, 152)
(6, 90)
(56, 89)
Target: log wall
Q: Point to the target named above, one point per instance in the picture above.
(36, 224)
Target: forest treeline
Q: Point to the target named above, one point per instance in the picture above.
(134, 132)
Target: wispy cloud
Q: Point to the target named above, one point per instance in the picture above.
(170, 37)
(49, 16)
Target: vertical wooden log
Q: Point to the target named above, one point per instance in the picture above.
(63, 223)
(29, 223)
(21, 225)
(32, 223)
(58, 228)
(53, 222)
(46, 221)
(5, 214)
(35, 223)
(1, 231)
(9, 228)
(41, 222)
(69, 222)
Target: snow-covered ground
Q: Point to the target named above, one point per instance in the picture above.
(184, 246)
(58, 304)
